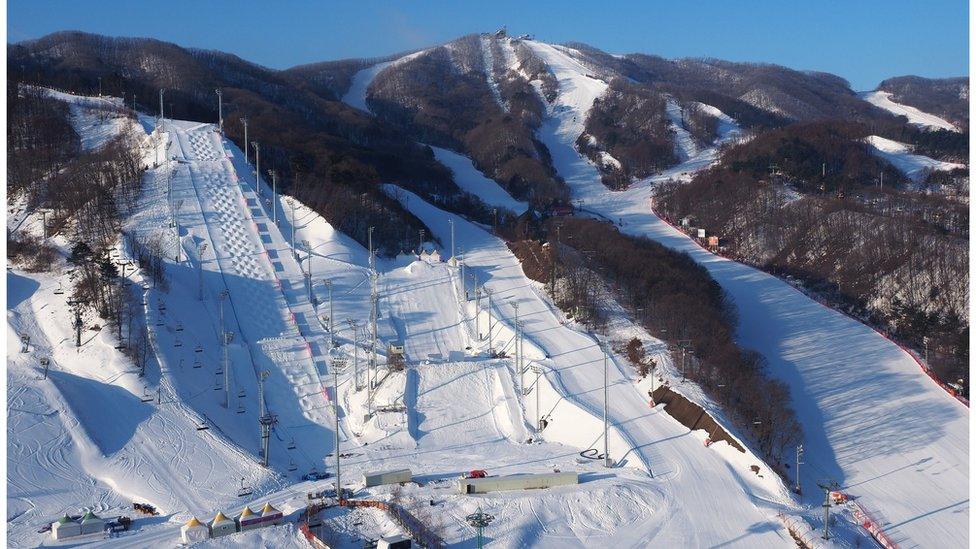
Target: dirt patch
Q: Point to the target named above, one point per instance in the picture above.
(692, 415)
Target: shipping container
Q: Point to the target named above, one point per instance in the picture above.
(378, 478)
(515, 482)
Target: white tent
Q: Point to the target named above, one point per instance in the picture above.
(221, 526)
(270, 514)
(194, 531)
(91, 524)
(65, 527)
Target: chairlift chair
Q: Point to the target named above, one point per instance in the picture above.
(159, 321)
(197, 365)
(244, 491)
(217, 384)
(179, 326)
(240, 407)
(177, 343)
(202, 426)
(146, 396)
(291, 445)
(292, 466)
(241, 394)
(60, 290)
(199, 349)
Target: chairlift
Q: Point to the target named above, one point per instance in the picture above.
(159, 321)
(177, 343)
(199, 349)
(197, 365)
(217, 384)
(291, 445)
(244, 491)
(292, 466)
(240, 407)
(202, 426)
(241, 394)
(220, 370)
(179, 326)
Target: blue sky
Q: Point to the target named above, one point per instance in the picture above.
(863, 41)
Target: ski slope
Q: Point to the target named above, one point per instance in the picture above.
(469, 179)
(873, 422)
(915, 166)
(882, 99)
(356, 95)
(688, 478)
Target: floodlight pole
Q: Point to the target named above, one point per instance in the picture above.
(338, 363)
(491, 351)
(606, 412)
(274, 201)
(257, 167)
(161, 113)
(244, 121)
(451, 223)
(328, 285)
(220, 110)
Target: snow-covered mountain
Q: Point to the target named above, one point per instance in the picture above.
(466, 149)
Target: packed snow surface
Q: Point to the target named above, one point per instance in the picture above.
(872, 420)
(915, 166)
(356, 95)
(882, 99)
(469, 179)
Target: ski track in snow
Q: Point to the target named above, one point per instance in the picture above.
(915, 166)
(882, 99)
(873, 421)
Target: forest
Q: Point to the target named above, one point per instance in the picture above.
(677, 301)
(805, 201)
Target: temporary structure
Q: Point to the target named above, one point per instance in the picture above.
(221, 526)
(65, 527)
(194, 531)
(91, 524)
(248, 520)
(270, 515)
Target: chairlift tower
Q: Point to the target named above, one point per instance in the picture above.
(75, 304)
(266, 419)
(479, 521)
(827, 486)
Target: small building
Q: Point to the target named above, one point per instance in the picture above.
(65, 527)
(194, 531)
(398, 541)
(713, 241)
(515, 482)
(222, 526)
(395, 476)
(701, 233)
(91, 524)
(687, 221)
